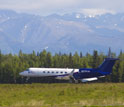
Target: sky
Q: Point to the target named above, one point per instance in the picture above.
(46, 7)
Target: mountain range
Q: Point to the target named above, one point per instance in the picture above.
(60, 33)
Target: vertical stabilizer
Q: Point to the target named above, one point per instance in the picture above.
(107, 65)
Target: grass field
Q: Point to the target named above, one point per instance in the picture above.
(62, 95)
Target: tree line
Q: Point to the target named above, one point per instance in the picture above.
(11, 65)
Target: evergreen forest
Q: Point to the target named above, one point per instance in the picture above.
(12, 64)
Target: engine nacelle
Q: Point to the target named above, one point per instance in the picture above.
(89, 79)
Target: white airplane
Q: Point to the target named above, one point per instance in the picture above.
(58, 73)
(82, 74)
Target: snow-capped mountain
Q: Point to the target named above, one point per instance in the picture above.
(66, 33)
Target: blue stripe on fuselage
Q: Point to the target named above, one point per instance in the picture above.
(58, 75)
(89, 73)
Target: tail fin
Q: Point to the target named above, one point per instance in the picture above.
(107, 65)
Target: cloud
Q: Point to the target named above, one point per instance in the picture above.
(36, 4)
(94, 12)
(115, 5)
(51, 6)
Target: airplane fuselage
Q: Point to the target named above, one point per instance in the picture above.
(47, 72)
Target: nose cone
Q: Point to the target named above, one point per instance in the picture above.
(24, 73)
(21, 73)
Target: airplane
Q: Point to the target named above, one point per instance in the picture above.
(74, 75)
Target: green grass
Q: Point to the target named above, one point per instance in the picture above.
(62, 95)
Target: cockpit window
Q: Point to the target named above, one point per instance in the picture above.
(27, 69)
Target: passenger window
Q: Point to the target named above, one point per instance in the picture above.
(52, 72)
(61, 72)
(48, 72)
(65, 72)
(56, 72)
(43, 71)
